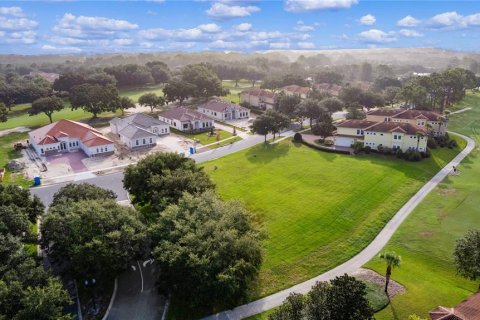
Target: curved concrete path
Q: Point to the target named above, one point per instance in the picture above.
(357, 261)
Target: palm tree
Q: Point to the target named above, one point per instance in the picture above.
(419, 135)
(392, 260)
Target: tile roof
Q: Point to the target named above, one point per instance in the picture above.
(406, 128)
(297, 89)
(407, 114)
(184, 114)
(468, 309)
(356, 124)
(220, 105)
(385, 112)
(259, 93)
(67, 128)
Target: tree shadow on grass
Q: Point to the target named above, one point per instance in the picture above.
(265, 153)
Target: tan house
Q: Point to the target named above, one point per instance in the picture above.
(303, 92)
(223, 110)
(404, 136)
(258, 98)
(431, 121)
(186, 120)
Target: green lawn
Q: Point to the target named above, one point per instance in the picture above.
(427, 238)
(234, 91)
(7, 153)
(205, 138)
(135, 93)
(319, 209)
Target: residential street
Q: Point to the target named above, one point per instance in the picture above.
(357, 261)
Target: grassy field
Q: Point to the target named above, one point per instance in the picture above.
(205, 138)
(134, 94)
(7, 153)
(318, 209)
(234, 91)
(427, 238)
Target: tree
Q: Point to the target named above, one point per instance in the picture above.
(291, 309)
(75, 192)
(205, 80)
(160, 179)
(332, 104)
(355, 113)
(393, 261)
(129, 75)
(263, 125)
(346, 299)
(94, 98)
(159, 70)
(311, 109)
(68, 80)
(12, 195)
(151, 100)
(27, 291)
(324, 126)
(93, 238)
(47, 105)
(390, 95)
(351, 96)
(366, 72)
(330, 77)
(467, 255)
(287, 104)
(125, 103)
(209, 251)
(3, 112)
(178, 90)
(14, 220)
(279, 121)
(382, 83)
(370, 99)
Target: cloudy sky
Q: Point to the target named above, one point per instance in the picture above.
(56, 26)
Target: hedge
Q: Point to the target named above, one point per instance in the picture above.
(317, 147)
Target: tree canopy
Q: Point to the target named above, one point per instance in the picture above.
(3, 112)
(179, 90)
(94, 98)
(206, 82)
(75, 192)
(467, 255)
(93, 238)
(208, 250)
(151, 100)
(47, 105)
(161, 178)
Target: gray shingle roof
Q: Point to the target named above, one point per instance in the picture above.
(133, 132)
(184, 114)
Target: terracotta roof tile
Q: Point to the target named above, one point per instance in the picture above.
(356, 124)
(259, 93)
(297, 89)
(397, 127)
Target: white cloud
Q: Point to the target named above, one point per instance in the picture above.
(306, 45)
(17, 24)
(193, 34)
(279, 45)
(368, 20)
(79, 26)
(376, 36)
(210, 27)
(25, 37)
(123, 41)
(224, 11)
(302, 27)
(12, 11)
(410, 33)
(313, 5)
(408, 21)
(48, 47)
(243, 27)
(454, 20)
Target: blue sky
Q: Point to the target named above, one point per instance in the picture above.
(56, 26)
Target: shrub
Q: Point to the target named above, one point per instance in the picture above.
(380, 149)
(399, 153)
(329, 143)
(317, 147)
(297, 137)
(452, 144)
(415, 156)
(367, 149)
(387, 151)
(357, 147)
(432, 143)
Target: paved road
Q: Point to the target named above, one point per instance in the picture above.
(110, 181)
(136, 296)
(357, 261)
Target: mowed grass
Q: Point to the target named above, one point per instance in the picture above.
(205, 138)
(318, 209)
(7, 153)
(426, 240)
(135, 93)
(233, 96)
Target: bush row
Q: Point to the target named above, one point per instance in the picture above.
(317, 147)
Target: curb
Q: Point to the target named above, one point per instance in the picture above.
(112, 299)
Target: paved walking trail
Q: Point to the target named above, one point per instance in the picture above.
(357, 261)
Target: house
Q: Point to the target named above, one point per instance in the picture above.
(70, 136)
(186, 120)
(404, 136)
(258, 98)
(434, 122)
(468, 309)
(223, 110)
(139, 130)
(333, 89)
(303, 92)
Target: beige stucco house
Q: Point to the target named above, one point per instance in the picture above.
(259, 98)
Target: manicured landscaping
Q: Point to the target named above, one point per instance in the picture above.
(205, 138)
(318, 209)
(427, 238)
(135, 93)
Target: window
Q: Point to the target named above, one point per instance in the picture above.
(41, 150)
(136, 142)
(185, 126)
(97, 150)
(381, 134)
(151, 140)
(144, 141)
(155, 130)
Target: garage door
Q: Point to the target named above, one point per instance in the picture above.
(343, 142)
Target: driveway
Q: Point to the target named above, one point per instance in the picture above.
(136, 296)
(72, 159)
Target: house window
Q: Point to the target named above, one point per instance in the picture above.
(151, 141)
(136, 142)
(358, 131)
(381, 134)
(185, 126)
(155, 130)
(97, 150)
(41, 150)
(144, 141)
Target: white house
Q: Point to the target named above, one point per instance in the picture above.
(223, 110)
(186, 120)
(139, 130)
(70, 136)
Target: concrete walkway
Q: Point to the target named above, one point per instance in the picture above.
(461, 110)
(357, 261)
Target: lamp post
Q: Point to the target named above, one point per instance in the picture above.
(90, 283)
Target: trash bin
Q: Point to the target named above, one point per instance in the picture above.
(192, 150)
(36, 181)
